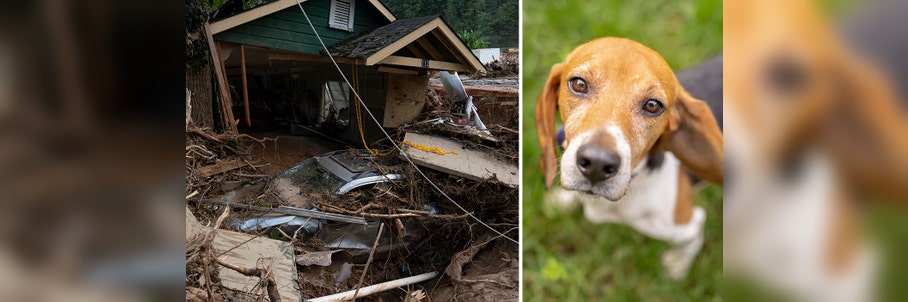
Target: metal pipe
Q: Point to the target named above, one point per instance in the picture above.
(377, 288)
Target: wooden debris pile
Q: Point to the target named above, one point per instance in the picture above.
(497, 105)
(508, 65)
(210, 156)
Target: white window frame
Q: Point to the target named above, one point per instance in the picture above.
(334, 95)
(333, 15)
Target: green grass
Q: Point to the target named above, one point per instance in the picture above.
(565, 257)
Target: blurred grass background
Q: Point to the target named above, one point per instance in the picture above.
(565, 257)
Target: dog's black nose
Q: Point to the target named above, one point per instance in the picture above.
(597, 163)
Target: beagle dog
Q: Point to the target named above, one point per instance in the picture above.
(631, 135)
(814, 131)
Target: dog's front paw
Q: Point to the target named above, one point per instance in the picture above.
(678, 259)
(675, 264)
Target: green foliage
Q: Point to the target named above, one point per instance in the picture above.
(215, 5)
(495, 20)
(248, 4)
(472, 39)
(198, 12)
(565, 257)
(553, 270)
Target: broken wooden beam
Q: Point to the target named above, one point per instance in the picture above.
(483, 90)
(218, 168)
(449, 156)
(219, 72)
(228, 108)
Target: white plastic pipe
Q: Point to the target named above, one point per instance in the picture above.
(377, 288)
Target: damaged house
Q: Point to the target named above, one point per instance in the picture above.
(279, 73)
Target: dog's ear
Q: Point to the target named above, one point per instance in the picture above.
(694, 137)
(545, 124)
(865, 132)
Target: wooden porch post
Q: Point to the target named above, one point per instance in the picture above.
(219, 71)
(245, 89)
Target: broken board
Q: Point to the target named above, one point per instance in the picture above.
(218, 168)
(245, 250)
(406, 99)
(193, 227)
(472, 164)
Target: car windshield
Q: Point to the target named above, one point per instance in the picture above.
(310, 175)
(346, 166)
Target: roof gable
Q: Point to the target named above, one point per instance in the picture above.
(365, 45)
(423, 42)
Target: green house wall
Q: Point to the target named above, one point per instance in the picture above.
(287, 29)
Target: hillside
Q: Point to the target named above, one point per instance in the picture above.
(495, 20)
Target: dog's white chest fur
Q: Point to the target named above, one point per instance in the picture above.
(649, 208)
(779, 231)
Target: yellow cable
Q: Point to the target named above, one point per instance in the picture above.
(359, 120)
(429, 148)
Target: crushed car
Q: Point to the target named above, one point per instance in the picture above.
(338, 171)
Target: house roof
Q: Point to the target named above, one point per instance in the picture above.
(423, 42)
(408, 45)
(369, 43)
(269, 8)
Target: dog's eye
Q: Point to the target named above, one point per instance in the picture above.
(653, 107)
(785, 76)
(578, 85)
